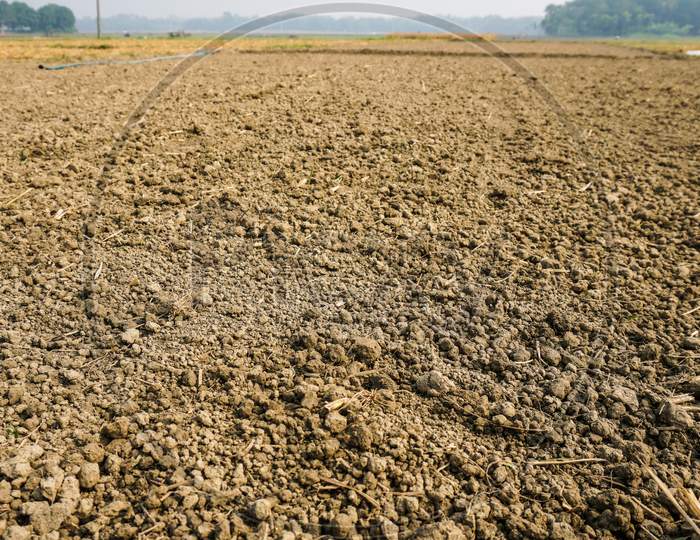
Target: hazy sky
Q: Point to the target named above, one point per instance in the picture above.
(213, 8)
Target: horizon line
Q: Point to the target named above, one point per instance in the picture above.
(348, 16)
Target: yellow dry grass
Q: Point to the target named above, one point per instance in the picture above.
(664, 46)
(79, 48)
(426, 36)
(70, 49)
(65, 49)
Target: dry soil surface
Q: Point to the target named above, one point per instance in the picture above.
(351, 295)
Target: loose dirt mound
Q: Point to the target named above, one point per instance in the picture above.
(350, 296)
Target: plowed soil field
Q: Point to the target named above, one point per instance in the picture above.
(370, 292)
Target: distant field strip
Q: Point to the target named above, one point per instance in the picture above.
(415, 52)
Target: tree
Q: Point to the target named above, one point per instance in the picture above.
(687, 14)
(21, 17)
(557, 23)
(4, 10)
(622, 17)
(53, 18)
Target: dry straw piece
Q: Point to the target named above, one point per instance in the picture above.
(342, 403)
(671, 497)
(335, 484)
(15, 199)
(690, 500)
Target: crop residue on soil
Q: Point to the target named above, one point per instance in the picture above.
(351, 296)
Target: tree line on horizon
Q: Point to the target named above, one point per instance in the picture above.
(515, 26)
(574, 18)
(48, 19)
(623, 18)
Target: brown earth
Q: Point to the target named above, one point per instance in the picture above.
(351, 296)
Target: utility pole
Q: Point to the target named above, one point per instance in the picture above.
(99, 24)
